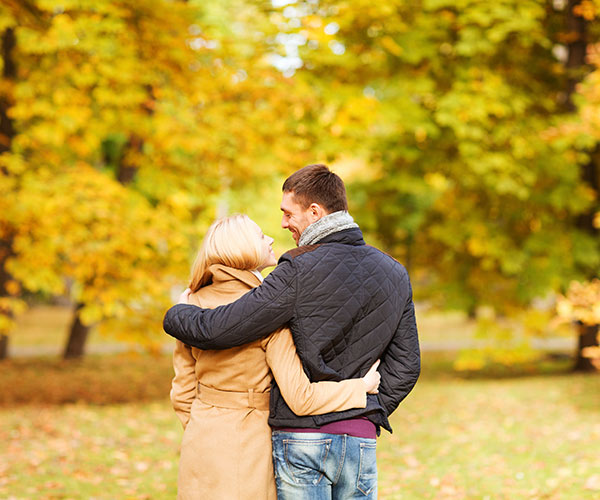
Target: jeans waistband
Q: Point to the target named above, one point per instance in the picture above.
(233, 400)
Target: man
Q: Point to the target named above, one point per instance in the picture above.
(347, 304)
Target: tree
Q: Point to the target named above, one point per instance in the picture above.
(7, 133)
(582, 304)
(458, 102)
(9, 288)
(153, 107)
(583, 132)
(67, 65)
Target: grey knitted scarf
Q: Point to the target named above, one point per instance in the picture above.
(331, 223)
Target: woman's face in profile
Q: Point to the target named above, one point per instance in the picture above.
(266, 243)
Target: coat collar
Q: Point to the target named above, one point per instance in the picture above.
(351, 236)
(329, 224)
(223, 274)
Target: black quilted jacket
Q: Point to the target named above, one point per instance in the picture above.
(347, 304)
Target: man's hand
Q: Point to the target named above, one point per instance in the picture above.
(185, 296)
(372, 379)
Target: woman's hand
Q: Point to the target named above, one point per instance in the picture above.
(372, 379)
(184, 297)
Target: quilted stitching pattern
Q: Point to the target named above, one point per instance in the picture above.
(354, 305)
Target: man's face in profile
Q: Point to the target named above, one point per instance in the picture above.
(295, 218)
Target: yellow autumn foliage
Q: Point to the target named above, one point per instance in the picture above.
(157, 89)
(581, 302)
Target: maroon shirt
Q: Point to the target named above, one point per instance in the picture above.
(360, 427)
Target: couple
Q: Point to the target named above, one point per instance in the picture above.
(347, 305)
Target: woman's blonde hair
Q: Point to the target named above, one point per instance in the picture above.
(231, 241)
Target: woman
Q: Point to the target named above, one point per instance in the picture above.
(222, 397)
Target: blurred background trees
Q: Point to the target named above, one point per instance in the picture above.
(482, 177)
(123, 122)
(467, 132)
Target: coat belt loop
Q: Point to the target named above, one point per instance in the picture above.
(231, 399)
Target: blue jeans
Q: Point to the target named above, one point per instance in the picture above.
(318, 466)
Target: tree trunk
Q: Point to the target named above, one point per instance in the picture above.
(126, 170)
(7, 133)
(5, 253)
(78, 335)
(577, 50)
(3, 347)
(588, 337)
(9, 72)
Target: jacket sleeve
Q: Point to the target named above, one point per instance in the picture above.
(183, 386)
(255, 315)
(302, 396)
(401, 362)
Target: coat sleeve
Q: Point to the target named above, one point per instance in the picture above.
(302, 396)
(401, 362)
(253, 316)
(183, 385)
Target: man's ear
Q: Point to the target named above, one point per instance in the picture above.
(316, 212)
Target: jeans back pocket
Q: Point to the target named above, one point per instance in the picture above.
(367, 470)
(305, 459)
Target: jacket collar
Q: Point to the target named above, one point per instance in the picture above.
(222, 274)
(326, 225)
(352, 236)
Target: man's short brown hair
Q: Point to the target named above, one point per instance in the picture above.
(317, 184)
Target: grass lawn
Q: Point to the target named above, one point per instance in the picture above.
(45, 325)
(455, 438)
(518, 438)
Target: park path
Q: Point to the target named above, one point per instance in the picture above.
(558, 344)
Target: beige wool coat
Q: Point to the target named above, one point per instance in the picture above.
(222, 400)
